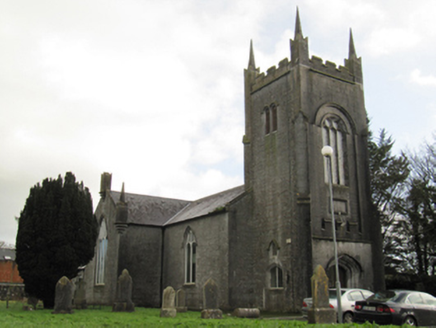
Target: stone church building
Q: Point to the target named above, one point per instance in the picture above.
(260, 241)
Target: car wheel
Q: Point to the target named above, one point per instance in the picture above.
(348, 317)
(410, 321)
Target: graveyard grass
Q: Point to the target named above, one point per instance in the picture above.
(15, 316)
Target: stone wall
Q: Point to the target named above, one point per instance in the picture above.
(141, 254)
(11, 292)
(241, 256)
(212, 258)
(276, 172)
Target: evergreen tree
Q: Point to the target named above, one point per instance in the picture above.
(56, 235)
(388, 174)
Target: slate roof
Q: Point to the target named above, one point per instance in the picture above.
(159, 211)
(150, 210)
(7, 254)
(207, 205)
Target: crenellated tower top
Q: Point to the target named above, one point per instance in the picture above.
(351, 71)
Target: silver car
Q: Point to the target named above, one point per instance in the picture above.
(348, 297)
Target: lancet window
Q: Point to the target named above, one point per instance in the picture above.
(276, 277)
(190, 256)
(273, 249)
(102, 244)
(270, 118)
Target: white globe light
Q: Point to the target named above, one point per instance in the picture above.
(327, 151)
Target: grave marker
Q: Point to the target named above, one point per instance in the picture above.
(320, 312)
(211, 301)
(168, 309)
(123, 300)
(63, 296)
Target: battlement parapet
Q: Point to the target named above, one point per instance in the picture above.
(272, 74)
(330, 69)
(316, 64)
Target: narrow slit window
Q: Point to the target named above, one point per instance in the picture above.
(267, 120)
(273, 109)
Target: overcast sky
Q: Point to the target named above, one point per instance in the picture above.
(152, 91)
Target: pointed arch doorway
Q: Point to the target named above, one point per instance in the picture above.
(350, 272)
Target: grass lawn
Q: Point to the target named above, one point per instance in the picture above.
(15, 316)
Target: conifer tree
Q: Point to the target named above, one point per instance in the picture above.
(388, 174)
(56, 235)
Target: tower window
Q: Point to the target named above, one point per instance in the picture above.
(273, 249)
(270, 118)
(267, 120)
(273, 109)
(333, 134)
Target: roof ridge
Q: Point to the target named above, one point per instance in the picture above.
(221, 192)
(150, 196)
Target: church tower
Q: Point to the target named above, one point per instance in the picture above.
(291, 112)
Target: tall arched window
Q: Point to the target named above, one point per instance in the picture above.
(334, 135)
(101, 254)
(190, 256)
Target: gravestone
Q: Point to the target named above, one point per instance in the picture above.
(320, 312)
(211, 301)
(80, 295)
(30, 303)
(123, 300)
(181, 301)
(246, 313)
(63, 296)
(168, 309)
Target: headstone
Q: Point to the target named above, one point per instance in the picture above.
(181, 301)
(34, 303)
(320, 312)
(80, 295)
(211, 301)
(123, 300)
(29, 304)
(168, 309)
(26, 304)
(246, 313)
(63, 296)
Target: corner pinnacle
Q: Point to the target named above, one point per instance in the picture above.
(251, 63)
(298, 30)
(351, 48)
(122, 195)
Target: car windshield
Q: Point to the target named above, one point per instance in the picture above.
(332, 293)
(386, 295)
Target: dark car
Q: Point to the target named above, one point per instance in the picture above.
(397, 307)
